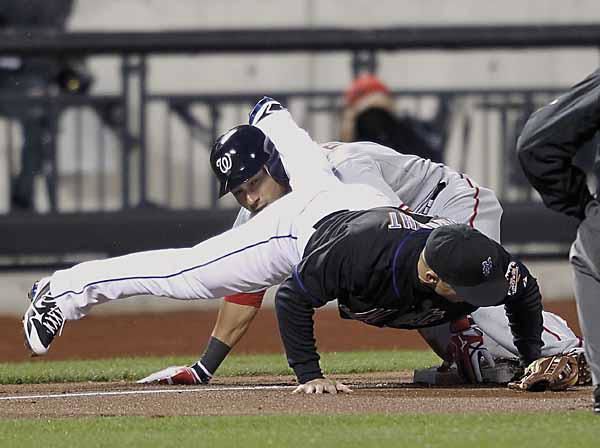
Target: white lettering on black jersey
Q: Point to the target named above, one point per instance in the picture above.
(401, 221)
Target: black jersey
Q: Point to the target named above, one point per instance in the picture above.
(367, 260)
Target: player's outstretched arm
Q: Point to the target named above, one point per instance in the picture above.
(234, 319)
(523, 306)
(201, 372)
(235, 315)
(304, 162)
(295, 309)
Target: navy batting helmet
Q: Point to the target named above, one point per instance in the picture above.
(241, 153)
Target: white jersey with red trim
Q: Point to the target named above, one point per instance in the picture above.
(413, 183)
(419, 184)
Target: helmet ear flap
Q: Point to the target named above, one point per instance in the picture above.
(274, 166)
(223, 189)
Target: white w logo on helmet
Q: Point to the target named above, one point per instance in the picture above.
(224, 163)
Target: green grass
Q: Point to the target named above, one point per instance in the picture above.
(576, 429)
(504, 430)
(43, 371)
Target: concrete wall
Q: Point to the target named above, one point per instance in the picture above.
(400, 69)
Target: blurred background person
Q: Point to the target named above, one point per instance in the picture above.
(370, 115)
(35, 77)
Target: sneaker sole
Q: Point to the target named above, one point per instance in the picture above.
(32, 353)
(35, 347)
(40, 350)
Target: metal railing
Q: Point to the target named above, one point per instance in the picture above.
(178, 156)
(59, 124)
(150, 150)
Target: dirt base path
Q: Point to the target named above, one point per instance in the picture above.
(377, 393)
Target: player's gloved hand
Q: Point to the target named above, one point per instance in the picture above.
(558, 372)
(182, 375)
(265, 107)
(467, 350)
(322, 386)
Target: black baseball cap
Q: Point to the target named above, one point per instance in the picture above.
(473, 264)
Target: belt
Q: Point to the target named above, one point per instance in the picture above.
(433, 197)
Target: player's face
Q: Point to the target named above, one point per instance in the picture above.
(258, 192)
(445, 290)
(428, 277)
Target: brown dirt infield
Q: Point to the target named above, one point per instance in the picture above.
(378, 393)
(185, 334)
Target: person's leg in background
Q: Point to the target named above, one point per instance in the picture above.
(585, 260)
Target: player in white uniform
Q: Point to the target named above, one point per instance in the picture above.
(257, 179)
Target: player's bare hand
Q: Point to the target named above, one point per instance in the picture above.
(322, 386)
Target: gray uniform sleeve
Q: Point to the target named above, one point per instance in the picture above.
(363, 170)
(549, 141)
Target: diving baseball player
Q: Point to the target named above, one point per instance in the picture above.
(257, 178)
(558, 150)
(325, 238)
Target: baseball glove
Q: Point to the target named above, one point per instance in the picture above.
(557, 372)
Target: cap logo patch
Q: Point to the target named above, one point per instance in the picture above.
(487, 266)
(224, 163)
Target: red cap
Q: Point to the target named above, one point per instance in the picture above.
(364, 85)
